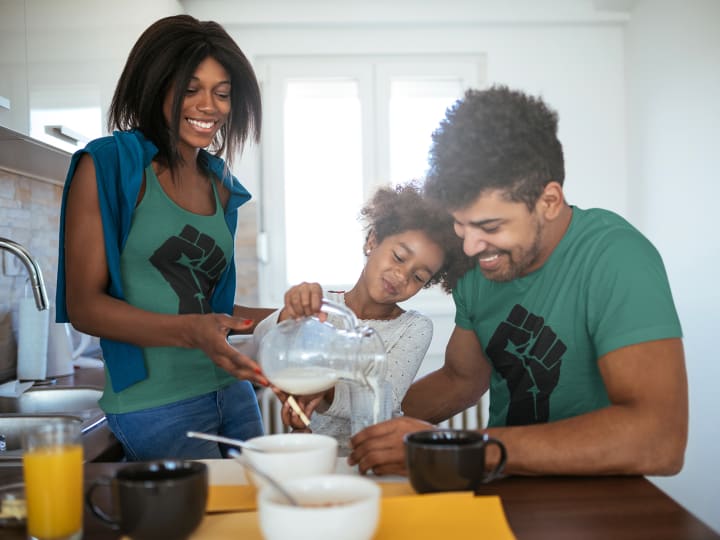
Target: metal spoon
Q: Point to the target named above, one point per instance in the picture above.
(226, 440)
(237, 456)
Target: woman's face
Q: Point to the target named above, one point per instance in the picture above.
(205, 106)
(402, 264)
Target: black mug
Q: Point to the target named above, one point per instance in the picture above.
(450, 460)
(157, 499)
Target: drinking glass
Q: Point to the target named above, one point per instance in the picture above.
(53, 473)
(369, 405)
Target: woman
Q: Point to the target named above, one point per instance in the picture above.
(410, 246)
(146, 243)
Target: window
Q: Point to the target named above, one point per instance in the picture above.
(323, 180)
(334, 130)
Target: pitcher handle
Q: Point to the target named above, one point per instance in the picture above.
(351, 320)
(95, 509)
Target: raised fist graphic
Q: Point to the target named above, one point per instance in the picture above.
(528, 355)
(190, 263)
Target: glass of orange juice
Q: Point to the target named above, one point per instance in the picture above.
(53, 473)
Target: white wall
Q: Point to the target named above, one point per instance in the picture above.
(673, 66)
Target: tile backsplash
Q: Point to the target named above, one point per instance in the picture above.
(29, 215)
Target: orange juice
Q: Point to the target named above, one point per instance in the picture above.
(54, 490)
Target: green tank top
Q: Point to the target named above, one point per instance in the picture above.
(170, 264)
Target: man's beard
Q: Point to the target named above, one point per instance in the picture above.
(517, 265)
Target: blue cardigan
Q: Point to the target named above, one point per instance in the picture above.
(120, 162)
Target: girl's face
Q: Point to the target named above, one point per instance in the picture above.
(205, 107)
(399, 266)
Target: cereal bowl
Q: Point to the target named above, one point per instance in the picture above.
(291, 455)
(330, 507)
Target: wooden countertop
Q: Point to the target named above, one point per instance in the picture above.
(537, 508)
(83, 377)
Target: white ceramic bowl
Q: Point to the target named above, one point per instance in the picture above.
(291, 455)
(332, 507)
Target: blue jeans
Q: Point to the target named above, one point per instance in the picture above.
(160, 432)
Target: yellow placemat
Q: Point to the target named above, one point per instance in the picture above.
(241, 525)
(231, 498)
(443, 515)
(440, 515)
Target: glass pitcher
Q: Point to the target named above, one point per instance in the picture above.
(306, 356)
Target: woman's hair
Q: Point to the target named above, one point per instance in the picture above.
(394, 211)
(495, 139)
(164, 59)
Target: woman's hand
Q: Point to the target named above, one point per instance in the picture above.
(209, 333)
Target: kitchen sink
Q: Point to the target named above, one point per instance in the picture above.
(42, 405)
(53, 399)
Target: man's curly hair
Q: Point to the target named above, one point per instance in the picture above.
(394, 211)
(495, 139)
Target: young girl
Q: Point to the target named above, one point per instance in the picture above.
(410, 245)
(146, 243)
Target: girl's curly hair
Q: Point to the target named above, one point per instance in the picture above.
(404, 208)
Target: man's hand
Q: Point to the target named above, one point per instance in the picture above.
(381, 449)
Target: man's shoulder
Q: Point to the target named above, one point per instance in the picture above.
(600, 218)
(600, 228)
(606, 244)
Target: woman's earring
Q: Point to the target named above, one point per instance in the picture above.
(367, 252)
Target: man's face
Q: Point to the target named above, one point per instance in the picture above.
(504, 236)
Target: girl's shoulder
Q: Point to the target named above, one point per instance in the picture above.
(408, 319)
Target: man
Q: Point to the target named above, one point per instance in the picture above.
(567, 318)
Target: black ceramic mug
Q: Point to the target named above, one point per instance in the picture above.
(450, 460)
(157, 499)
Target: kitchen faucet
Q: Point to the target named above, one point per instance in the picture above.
(33, 269)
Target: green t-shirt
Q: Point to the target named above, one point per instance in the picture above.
(604, 287)
(170, 264)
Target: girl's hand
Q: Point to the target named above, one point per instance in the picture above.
(303, 300)
(308, 404)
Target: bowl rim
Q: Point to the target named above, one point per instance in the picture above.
(323, 441)
(371, 491)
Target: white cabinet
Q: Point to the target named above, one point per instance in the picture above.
(60, 61)
(14, 110)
